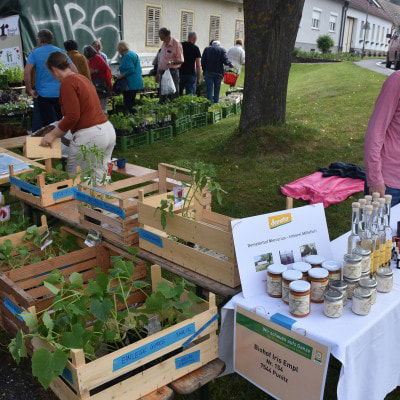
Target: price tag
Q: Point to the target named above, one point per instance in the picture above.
(93, 238)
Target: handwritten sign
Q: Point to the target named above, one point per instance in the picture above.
(280, 362)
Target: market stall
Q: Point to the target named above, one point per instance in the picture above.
(367, 346)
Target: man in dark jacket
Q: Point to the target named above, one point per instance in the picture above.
(213, 60)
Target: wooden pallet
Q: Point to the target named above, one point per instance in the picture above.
(22, 289)
(83, 379)
(214, 256)
(112, 209)
(43, 195)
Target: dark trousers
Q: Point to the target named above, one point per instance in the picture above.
(187, 82)
(175, 77)
(213, 85)
(36, 118)
(129, 100)
(50, 109)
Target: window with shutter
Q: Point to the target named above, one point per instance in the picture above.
(362, 27)
(332, 23)
(153, 16)
(215, 26)
(378, 31)
(186, 24)
(316, 17)
(239, 29)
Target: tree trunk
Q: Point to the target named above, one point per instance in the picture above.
(270, 31)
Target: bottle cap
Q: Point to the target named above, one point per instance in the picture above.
(376, 195)
(292, 275)
(355, 205)
(388, 198)
(375, 205)
(331, 265)
(300, 286)
(362, 202)
(301, 266)
(276, 269)
(333, 295)
(318, 273)
(368, 209)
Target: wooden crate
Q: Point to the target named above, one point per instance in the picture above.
(43, 195)
(214, 256)
(22, 288)
(17, 239)
(112, 210)
(146, 365)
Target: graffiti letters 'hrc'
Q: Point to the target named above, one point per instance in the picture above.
(80, 23)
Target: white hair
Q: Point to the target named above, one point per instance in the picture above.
(216, 43)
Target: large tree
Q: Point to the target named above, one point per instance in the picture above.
(270, 29)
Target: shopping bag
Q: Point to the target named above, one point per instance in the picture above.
(167, 84)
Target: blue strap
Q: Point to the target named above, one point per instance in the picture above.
(150, 237)
(25, 185)
(199, 331)
(60, 194)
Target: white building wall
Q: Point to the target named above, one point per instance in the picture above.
(307, 35)
(134, 20)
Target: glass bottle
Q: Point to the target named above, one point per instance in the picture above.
(381, 233)
(388, 230)
(368, 199)
(354, 238)
(376, 196)
(361, 220)
(366, 234)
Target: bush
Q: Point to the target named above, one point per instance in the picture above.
(325, 43)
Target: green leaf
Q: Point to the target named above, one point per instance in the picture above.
(51, 287)
(101, 309)
(76, 280)
(193, 297)
(17, 347)
(167, 290)
(54, 277)
(109, 336)
(47, 366)
(139, 284)
(74, 339)
(48, 322)
(30, 319)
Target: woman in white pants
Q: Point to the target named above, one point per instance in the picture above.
(82, 115)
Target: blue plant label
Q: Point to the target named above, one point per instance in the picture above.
(152, 347)
(187, 359)
(150, 237)
(25, 186)
(283, 320)
(12, 307)
(67, 375)
(61, 194)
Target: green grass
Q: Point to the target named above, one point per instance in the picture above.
(328, 110)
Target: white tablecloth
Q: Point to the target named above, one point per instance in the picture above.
(367, 346)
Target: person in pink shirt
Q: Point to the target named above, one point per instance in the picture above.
(170, 57)
(382, 141)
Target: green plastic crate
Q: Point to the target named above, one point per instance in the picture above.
(214, 116)
(124, 143)
(182, 125)
(161, 134)
(228, 111)
(238, 107)
(199, 120)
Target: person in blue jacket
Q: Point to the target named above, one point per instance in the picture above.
(130, 69)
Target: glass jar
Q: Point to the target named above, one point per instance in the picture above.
(288, 276)
(319, 281)
(333, 303)
(303, 267)
(274, 279)
(340, 286)
(369, 283)
(334, 268)
(314, 260)
(365, 259)
(351, 285)
(352, 266)
(361, 304)
(384, 280)
(365, 275)
(299, 298)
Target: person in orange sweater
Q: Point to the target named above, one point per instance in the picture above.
(82, 115)
(77, 58)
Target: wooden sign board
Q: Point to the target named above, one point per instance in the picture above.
(34, 150)
(282, 363)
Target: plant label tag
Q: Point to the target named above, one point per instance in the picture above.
(153, 326)
(45, 240)
(179, 196)
(5, 213)
(93, 238)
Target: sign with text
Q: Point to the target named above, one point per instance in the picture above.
(277, 238)
(280, 362)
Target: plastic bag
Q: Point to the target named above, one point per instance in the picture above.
(167, 84)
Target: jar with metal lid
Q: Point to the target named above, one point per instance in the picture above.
(334, 268)
(319, 281)
(274, 279)
(314, 260)
(333, 303)
(303, 267)
(351, 285)
(352, 266)
(369, 283)
(384, 280)
(340, 286)
(288, 276)
(365, 275)
(365, 259)
(361, 303)
(299, 298)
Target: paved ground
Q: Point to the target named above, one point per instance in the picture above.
(376, 65)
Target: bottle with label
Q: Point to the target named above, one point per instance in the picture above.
(388, 230)
(366, 234)
(381, 232)
(374, 235)
(354, 238)
(361, 219)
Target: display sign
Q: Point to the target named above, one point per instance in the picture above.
(11, 57)
(10, 42)
(282, 363)
(277, 238)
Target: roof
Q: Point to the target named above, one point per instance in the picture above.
(392, 9)
(373, 8)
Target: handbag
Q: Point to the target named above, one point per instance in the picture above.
(102, 89)
(120, 86)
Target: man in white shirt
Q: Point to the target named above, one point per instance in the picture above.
(236, 55)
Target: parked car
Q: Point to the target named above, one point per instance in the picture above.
(393, 54)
